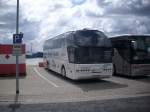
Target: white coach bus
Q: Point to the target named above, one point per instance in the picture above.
(80, 54)
(131, 55)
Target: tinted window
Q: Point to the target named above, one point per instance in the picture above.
(90, 55)
(91, 38)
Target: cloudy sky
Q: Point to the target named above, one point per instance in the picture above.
(43, 19)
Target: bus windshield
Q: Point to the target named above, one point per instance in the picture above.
(91, 38)
(139, 44)
(148, 45)
(90, 55)
(141, 49)
(90, 47)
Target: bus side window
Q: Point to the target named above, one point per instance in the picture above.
(63, 43)
(71, 54)
(70, 40)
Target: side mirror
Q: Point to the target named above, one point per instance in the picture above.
(134, 44)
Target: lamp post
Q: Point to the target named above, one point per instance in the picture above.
(17, 56)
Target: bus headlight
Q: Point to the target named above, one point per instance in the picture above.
(82, 70)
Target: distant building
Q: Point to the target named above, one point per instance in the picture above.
(34, 55)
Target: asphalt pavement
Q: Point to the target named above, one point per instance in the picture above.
(45, 91)
(140, 104)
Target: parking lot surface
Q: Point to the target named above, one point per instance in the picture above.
(47, 90)
(140, 104)
(41, 85)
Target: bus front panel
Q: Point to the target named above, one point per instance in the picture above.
(83, 71)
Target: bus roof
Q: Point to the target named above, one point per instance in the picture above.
(129, 37)
(60, 35)
(64, 35)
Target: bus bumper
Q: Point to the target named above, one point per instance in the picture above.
(93, 71)
(140, 69)
(84, 76)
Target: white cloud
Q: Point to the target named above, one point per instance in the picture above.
(43, 19)
(68, 17)
(59, 16)
(37, 10)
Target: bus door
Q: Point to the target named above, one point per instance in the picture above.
(118, 56)
(124, 57)
(126, 67)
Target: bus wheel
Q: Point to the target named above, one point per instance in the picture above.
(114, 70)
(63, 71)
(47, 64)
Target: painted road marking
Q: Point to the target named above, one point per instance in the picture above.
(50, 82)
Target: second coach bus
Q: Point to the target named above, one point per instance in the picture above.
(131, 55)
(79, 54)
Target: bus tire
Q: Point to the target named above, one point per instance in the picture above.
(114, 70)
(47, 64)
(63, 71)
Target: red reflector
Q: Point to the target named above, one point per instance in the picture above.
(41, 64)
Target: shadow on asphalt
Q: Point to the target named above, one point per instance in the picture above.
(99, 85)
(89, 84)
(144, 78)
(137, 104)
(15, 105)
(11, 77)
